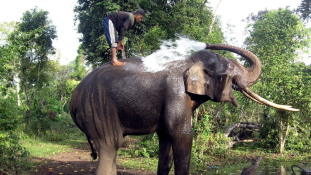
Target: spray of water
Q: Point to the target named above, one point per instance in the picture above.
(170, 51)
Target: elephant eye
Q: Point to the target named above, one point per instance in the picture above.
(235, 85)
(208, 72)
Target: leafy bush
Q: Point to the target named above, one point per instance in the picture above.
(147, 146)
(8, 114)
(60, 128)
(63, 128)
(14, 158)
(48, 119)
(299, 141)
(207, 143)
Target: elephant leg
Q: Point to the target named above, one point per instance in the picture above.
(107, 159)
(181, 145)
(165, 154)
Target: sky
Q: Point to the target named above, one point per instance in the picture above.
(62, 16)
(234, 11)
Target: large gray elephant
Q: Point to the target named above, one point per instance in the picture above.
(114, 101)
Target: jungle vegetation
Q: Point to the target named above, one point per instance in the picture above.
(35, 88)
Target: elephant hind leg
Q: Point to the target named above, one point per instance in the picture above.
(107, 160)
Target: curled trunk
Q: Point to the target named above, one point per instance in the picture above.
(253, 72)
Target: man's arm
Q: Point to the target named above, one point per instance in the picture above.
(120, 45)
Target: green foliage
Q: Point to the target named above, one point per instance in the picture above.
(5, 30)
(207, 143)
(31, 45)
(14, 158)
(49, 121)
(305, 9)
(275, 37)
(299, 140)
(78, 65)
(269, 132)
(90, 15)
(5, 57)
(59, 129)
(46, 85)
(145, 146)
(152, 36)
(9, 114)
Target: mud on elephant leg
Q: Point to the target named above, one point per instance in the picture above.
(165, 154)
(107, 159)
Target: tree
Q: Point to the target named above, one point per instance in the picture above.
(13, 157)
(275, 36)
(78, 65)
(163, 20)
(6, 29)
(32, 45)
(305, 9)
(69, 77)
(7, 58)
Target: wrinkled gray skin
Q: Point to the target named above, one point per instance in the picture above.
(114, 101)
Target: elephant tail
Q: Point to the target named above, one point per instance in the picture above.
(94, 153)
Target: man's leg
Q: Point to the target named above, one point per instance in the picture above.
(114, 59)
(110, 34)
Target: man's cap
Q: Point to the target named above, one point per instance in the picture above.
(140, 11)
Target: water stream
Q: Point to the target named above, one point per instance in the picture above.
(171, 50)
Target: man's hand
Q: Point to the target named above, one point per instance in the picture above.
(120, 45)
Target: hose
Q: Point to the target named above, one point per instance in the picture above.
(297, 167)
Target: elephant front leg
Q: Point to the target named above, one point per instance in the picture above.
(181, 152)
(165, 154)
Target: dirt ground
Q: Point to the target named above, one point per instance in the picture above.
(73, 162)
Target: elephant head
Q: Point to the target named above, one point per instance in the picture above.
(215, 76)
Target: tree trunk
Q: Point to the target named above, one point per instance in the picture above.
(213, 20)
(26, 116)
(17, 80)
(123, 54)
(284, 129)
(282, 171)
(251, 126)
(236, 138)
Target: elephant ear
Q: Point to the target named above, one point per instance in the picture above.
(216, 85)
(195, 79)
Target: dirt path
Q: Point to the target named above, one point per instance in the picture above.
(73, 162)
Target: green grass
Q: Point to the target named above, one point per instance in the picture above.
(232, 163)
(138, 163)
(39, 148)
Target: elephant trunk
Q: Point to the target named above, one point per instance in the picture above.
(253, 72)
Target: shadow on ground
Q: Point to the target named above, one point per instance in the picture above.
(75, 162)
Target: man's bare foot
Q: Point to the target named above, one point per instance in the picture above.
(118, 63)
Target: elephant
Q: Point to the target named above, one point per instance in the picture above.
(114, 101)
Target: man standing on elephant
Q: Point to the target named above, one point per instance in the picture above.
(120, 22)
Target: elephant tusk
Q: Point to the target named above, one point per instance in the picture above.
(250, 97)
(253, 96)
